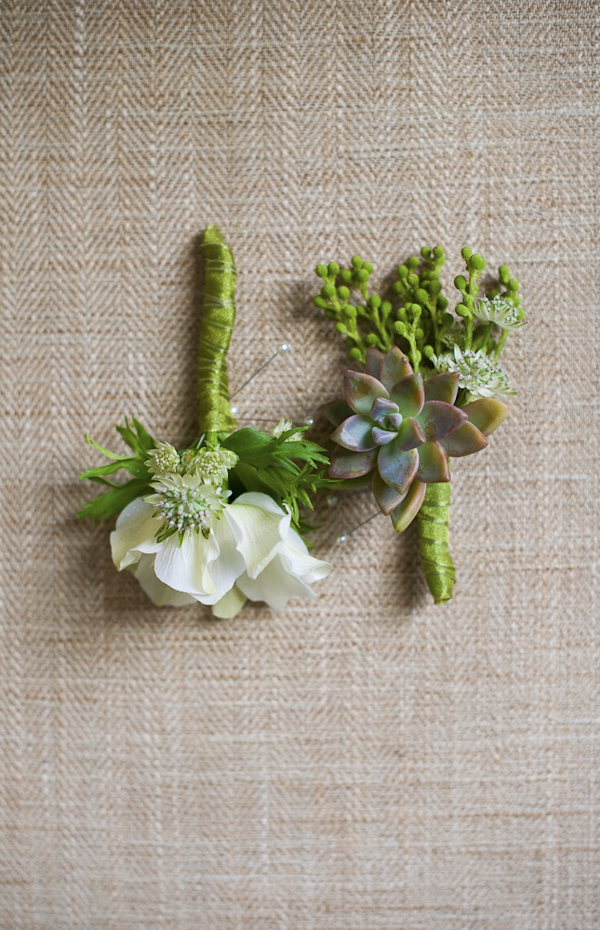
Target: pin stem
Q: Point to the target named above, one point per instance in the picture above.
(281, 350)
(343, 538)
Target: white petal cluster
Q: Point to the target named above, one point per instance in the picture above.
(282, 426)
(500, 312)
(251, 551)
(477, 372)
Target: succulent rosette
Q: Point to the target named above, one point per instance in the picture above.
(402, 429)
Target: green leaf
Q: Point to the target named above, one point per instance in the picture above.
(307, 451)
(114, 501)
(261, 450)
(136, 436)
(106, 452)
(248, 443)
(133, 465)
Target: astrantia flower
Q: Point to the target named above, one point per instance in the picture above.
(500, 312)
(187, 502)
(212, 465)
(455, 336)
(249, 551)
(477, 372)
(164, 458)
(282, 426)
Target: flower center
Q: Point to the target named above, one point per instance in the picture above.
(185, 502)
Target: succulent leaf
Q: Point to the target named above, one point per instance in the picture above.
(336, 411)
(382, 407)
(345, 464)
(382, 436)
(360, 390)
(409, 394)
(356, 434)
(373, 361)
(433, 463)
(438, 419)
(397, 468)
(442, 387)
(466, 440)
(410, 434)
(393, 368)
(387, 498)
(487, 413)
(403, 515)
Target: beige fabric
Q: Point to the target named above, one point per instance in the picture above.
(365, 760)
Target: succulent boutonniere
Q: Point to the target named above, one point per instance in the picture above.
(217, 522)
(430, 390)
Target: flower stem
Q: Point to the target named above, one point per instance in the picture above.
(218, 317)
(432, 524)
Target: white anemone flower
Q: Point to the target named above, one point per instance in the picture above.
(477, 372)
(246, 549)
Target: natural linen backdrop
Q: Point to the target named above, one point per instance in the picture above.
(365, 760)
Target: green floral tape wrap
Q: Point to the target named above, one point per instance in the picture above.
(432, 522)
(218, 317)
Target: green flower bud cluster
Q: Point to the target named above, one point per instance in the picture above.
(351, 319)
(417, 319)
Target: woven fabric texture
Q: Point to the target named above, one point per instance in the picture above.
(364, 761)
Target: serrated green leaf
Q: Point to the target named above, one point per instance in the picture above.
(136, 437)
(112, 502)
(135, 466)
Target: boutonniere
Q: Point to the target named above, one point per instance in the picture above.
(429, 390)
(217, 522)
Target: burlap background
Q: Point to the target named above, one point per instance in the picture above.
(366, 760)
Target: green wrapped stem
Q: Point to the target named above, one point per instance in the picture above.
(432, 523)
(218, 317)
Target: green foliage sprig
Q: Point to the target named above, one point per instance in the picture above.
(112, 502)
(287, 466)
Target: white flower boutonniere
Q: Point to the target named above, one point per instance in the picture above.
(217, 523)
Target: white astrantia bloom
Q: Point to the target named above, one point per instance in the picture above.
(211, 464)
(499, 311)
(164, 458)
(477, 372)
(250, 549)
(282, 426)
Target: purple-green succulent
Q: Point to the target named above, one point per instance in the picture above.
(402, 429)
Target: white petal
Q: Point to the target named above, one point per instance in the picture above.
(295, 555)
(228, 566)
(135, 532)
(257, 499)
(185, 567)
(229, 605)
(259, 525)
(275, 585)
(158, 592)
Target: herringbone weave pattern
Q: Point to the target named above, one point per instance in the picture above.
(366, 761)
